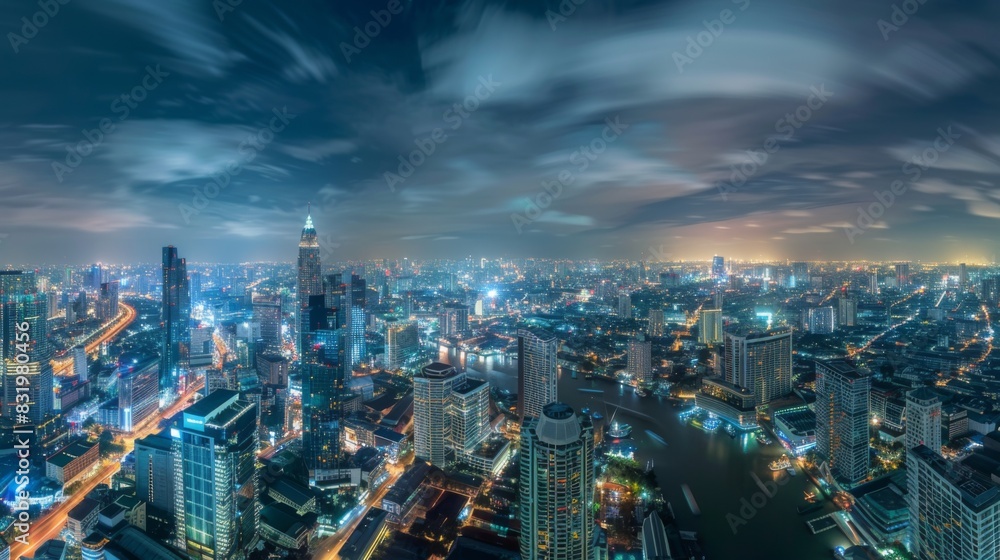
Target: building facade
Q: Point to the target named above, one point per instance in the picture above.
(842, 419)
(760, 363)
(537, 353)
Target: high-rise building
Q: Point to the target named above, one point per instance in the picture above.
(80, 368)
(176, 319)
(138, 392)
(656, 322)
(923, 419)
(470, 416)
(710, 326)
(454, 319)
(640, 360)
(402, 343)
(357, 297)
(336, 297)
(800, 275)
(903, 274)
(154, 471)
(822, 320)
(432, 401)
(963, 276)
(842, 415)
(94, 277)
(323, 377)
(624, 305)
(847, 312)
(557, 481)
(718, 269)
(989, 291)
(953, 509)
(760, 363)
(537, 353)
(215, 478)
(107, 301)
(24, 353)
(267, 312)
(309, 282)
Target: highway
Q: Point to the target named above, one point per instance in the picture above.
(49, 525)
(109, 331)
(330, 547)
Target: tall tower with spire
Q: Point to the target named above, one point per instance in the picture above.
(310, 279)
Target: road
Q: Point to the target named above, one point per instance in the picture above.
(330, 548)
(49, 525)
(120, 323)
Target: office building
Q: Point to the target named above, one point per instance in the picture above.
(923, 419)
(138, 391)
(402, 343)
(107, 301)
(624, 306)
(309, 283)
(357, 298)
(215, 452)
(154, 471)
(847, 312)
(963, 276)
(822, 320)
(557, 480)
(718, 269)
(842, 418)
(903, 274)
(640, 360)
(800, 275)
(537, 353)
(953, 509)
(21, 302)
(710, 327)
(80, 366)
(454, 320)
(267, 312)
(470, 416)
(760, 362)
(323, 377)
(176, 319)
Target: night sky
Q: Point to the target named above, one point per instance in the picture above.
(847, 104)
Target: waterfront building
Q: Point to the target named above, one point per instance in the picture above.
(842, 419)
(537, 352)
(760, 363)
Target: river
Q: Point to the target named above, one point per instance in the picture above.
(717, 468)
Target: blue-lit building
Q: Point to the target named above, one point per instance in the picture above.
(356, 320)
(21, 302)
(176, 319)
(323, 373)
(138, 391)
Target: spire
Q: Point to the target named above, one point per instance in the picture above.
(309, 218)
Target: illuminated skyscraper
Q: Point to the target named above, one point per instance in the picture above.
(800, 274)
(624, 306)
(557, 485)
(323, 375)
(842, 413)
(215, 477)
(718, 269)
(267, 312)
(356, 320)
(432, 402)
(760, 363)
(537, 364)
(847, 312)
(309, 282)
(903, 274)
(822, 320)
(710, 326)
(656, 322)
(24, 353)
(176, 319)
(107, 301)
(963, 276)
(923, 419)
(401, 343)
(640, 362)
(454, 319)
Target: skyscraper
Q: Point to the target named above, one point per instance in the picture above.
(557, 485)
(323, 378)
(536, 371)
(107, 301)
(215, 478)
(357, 296)
(154, 471)
(401, 343)
(176, 317)
(710, 326)
(903, 274)
(800, 274)
(963, 276)
(953, 509)
(923, 419)
(432, 400)
(718, 269)
(138, 392)
(309, 282)
(842, 413)
(640, 361)
(80, 369)
(24, 353)
(822, 320)
(847, 312)
(454, 319)
(760, 363)
(267, 312)
(656, 322)
(624, 305)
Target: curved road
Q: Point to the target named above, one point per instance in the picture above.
(120, 323)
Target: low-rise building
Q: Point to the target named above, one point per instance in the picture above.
(72, 462)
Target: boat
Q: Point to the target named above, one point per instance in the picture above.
(730, 430)
(573, 374)
(712, 424)
(655, 437)
(763, 439)
(780, 464)
(639, 392)
(598, 391)
(619, 430)
(597, 416)
(586, 410)
(809, 508)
